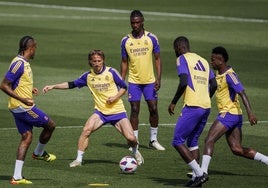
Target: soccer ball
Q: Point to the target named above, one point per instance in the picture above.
(128, 164)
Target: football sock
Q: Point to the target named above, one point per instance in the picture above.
(18, 170)
(79, 155)
(136, 133)
(134, 150)
(39, 150)
(262, 158)
(194, 176)
(153, 135)
(196, 168)
(205, 163)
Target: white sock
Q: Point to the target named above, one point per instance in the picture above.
(194, 176)
(134, 150)
(205, 163)
(39, 150)
(79, 155)
(196, 168)
(153, 135)
(136, 133)
(262, 158)
(18, 170)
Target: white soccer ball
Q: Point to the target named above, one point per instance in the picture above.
(128, 164)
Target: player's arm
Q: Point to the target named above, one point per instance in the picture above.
(212, 86)
(180, 90)
(158, 67)
(124, 59)
(64, 85)
(80, 82)
(251, 117)
(124, 67)
(6, 87)
(235, 84)
(120, 83)
(116, 97)
(212, 83)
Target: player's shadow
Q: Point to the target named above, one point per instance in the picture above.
(169, 182)
(8, 178)
(98, 161)
(122, 145)
(5, 177)
(217, 172)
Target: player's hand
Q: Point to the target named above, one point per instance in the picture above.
(110, 100)
(47, 88)
(171, 109)
(35, 91)
(28, 101)
(157, 85)
(252, 119)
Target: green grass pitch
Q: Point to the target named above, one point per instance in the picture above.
(66, 30)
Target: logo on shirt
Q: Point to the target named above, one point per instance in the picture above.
(199, 66)
(146, 42)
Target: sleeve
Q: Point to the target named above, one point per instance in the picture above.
(156, 46)
(118, 79)
(234, 83)
(182, 67)
(211, 74)
(15, 71)
(123, 48)
(81, 81)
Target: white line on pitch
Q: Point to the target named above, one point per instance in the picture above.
(90, 9)
(141, 124)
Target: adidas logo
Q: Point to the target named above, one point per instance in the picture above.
(199, 66)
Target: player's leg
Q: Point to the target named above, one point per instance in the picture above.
(216, 130)
(134, 97)
(39, 118)
(234, 140)
(193, 139)
(125, 128)
(151, 98)
(154, 119)
(26, 139)
(93, 123)
(134, 114)
(185, 126)
(25, 142)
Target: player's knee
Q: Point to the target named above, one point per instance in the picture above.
(27, 138)
(86, 132)
(237, 150)
(209, 140)
(135, 111)
(153, 109)
(50, 126)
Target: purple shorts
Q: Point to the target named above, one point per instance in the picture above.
(135, 92)
(113, 119)
(230, 121)
(25, 121)
(190, 125)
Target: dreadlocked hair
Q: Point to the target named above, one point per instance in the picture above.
(136, 13)
(23, 45)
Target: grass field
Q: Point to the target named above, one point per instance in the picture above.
(67, 30)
